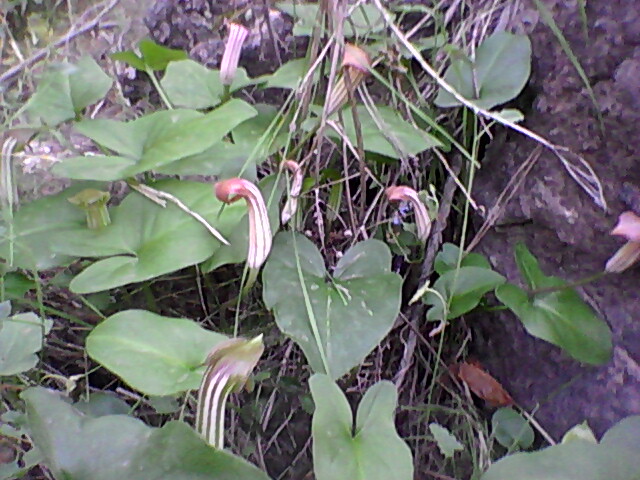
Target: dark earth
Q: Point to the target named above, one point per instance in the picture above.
(559, 223)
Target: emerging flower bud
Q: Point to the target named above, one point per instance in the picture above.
(228, 368)
(291, 204)
(628, 226)
(228, 191)
(402, 193)
(232, 49)
(94, 203)
(355, 66)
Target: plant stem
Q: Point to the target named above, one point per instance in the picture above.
(158, 87)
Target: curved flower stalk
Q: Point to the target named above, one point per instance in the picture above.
(628, 226)
(228, 191)
(402, 193)
(232, 49)
(228, 368)
(291, 205)
(94, 203)
(355, 66)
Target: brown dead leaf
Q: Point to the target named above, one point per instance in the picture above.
(483, 384)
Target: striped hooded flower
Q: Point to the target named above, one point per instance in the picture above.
(355, 66)
(228, 368)
(402, 193)
(628, 226)
(228, 191)
(232, 50)
(291, 204)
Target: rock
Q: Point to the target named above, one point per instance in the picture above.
(561, 225)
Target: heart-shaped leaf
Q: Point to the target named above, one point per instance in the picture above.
(64, 91)
(337, 321)
(114, 447)
(616, 457)
(387, 134)
(153, 354)
(21, 338)
(498, 73)
(371, 451)
(146, 240)
(151, 142)
(189, 84)
(511, 429)
(462, 289)
(557, 315)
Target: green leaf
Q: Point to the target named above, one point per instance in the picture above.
(351, 313)
(101, 404)
(145, 240)
(157, 57)
(226, 159)
(153, 354)
(579, 432)
(558, 316)
(290, 74)
(511, 429)
(530, 269)
(462, 289)
(152, 56)
(130, 58)
(15, 285)
(447, 259)
(388, 134)
(21, 338)
(27, 242)
(617, 457)
(189, 84)
(364, 20)
(88, 83)
(65, 90)
(151, 142)
(447, 442)
(498, 73)
(371, 451)
(114, 447)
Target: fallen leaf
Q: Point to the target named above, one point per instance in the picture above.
(483, 384)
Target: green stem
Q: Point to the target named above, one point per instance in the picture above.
(226, 94)
(158, 87)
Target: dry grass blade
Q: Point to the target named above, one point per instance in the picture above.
(505, 196)
(160, 197)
